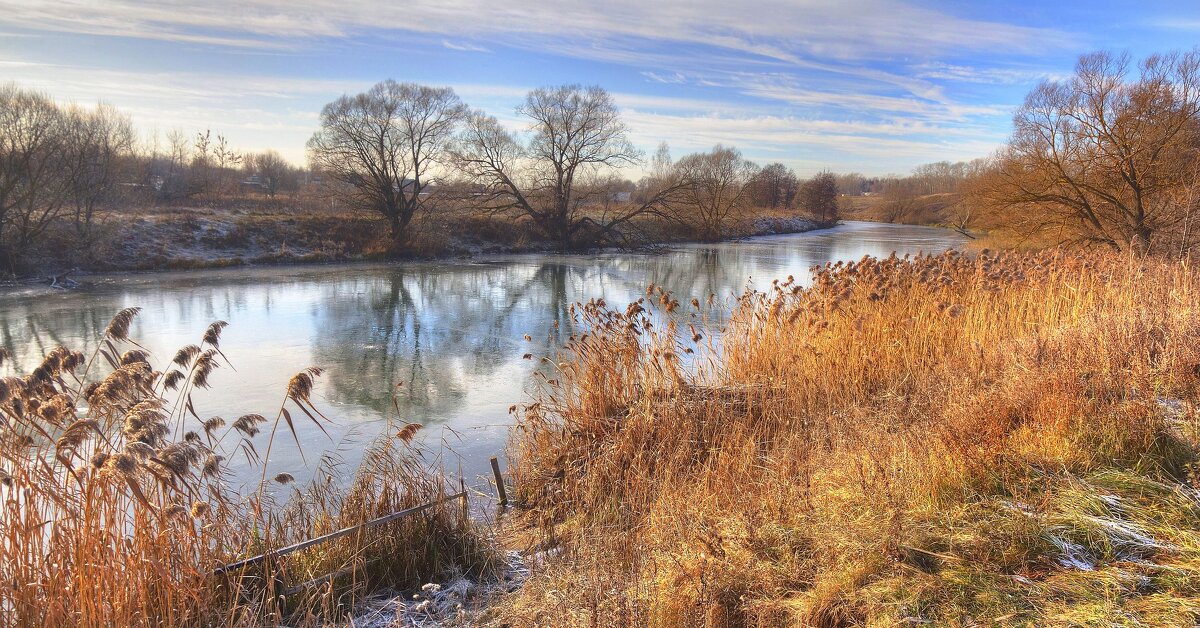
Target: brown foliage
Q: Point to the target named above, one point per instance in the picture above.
(1106, 156)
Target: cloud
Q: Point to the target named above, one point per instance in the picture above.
(463, 47)
(828, 143)
(673, 78)
(882, 81)
(778, 29)
(861, 100)
(259, 112)
(991, 76)
(1175, 23)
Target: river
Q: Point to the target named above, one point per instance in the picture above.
(450, 332)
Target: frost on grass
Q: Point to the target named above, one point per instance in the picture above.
(453, 602)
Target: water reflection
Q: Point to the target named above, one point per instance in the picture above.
(449, 333)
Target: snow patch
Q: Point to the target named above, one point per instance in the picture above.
(778, 225)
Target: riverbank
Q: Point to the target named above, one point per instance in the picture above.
(184, 238)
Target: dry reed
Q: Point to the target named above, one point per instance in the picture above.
(1000, 438)
(116, 510)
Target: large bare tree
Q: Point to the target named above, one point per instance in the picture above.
(32, 188)
(715, 187)
(561, 178)
(384, 146)
(1102, 156)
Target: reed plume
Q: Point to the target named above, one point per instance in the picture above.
(124, 512)
(951, 439)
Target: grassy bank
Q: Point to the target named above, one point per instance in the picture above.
(239, 232)
(1002, 439)
(116, 510)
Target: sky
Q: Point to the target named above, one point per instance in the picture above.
(872, 86)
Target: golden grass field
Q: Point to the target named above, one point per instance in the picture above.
(988, 440)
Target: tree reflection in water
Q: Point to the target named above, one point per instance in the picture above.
(451, 333)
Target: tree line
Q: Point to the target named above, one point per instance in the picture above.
(401, 149)
(63, 166)
(397, 150)
(56, 164)
(1109, 157)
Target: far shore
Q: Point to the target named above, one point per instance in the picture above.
(189, 257)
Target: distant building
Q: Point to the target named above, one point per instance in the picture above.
(253, 182)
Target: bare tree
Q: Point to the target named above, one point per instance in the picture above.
(97, 154)
(961, 216)
(774, 187)
(213, 165)
(174, 181)
(1099, 157)
(384, 145)
(272, 170)
(852, 184)
(200, 172)
(31, 186)
(660, 175)
(716, 186)
(557, 177)
(225, 162)
(819, 197)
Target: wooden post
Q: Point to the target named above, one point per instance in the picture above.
(499, 482)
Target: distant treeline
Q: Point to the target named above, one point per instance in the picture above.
(396, 151)
(1106, 157)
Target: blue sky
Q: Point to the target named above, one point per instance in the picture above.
(875, 86)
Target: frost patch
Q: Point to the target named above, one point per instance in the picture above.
(450, 603)
(1073, 555)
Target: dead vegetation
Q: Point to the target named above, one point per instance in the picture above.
(952, 440)
(117, 509)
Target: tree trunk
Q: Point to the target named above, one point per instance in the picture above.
(396, 227)
(1140, 242)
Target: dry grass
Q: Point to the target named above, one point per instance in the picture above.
(116, 510)
(959, 440)
(924, 209)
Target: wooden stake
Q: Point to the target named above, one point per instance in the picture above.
(499, 482)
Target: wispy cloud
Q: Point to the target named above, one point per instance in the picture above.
(463, 47)
(1175, 22)
(845, 144)
(886, 82)
(852, 29)
(672, 78)
(937, 70)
